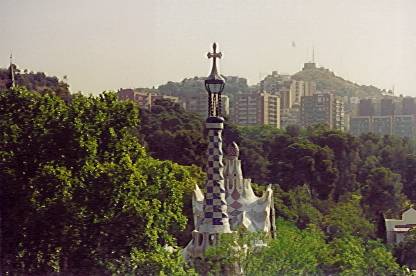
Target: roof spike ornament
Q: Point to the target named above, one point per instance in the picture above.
(232, 151)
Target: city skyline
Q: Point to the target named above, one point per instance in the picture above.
(104, 45)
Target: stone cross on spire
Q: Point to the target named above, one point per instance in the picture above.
(214, 55)
(214, 84)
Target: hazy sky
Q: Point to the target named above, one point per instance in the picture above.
(103, 45)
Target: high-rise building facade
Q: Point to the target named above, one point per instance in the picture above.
(399, 125)
(257, 109)
(289, 117)
(285, 98)
(360, 125)
(275, 82)
(387, 107)
(322, 108)
(408, 106)
(382, 125)
(309, 88)
(352, 108)
(404, 125)
(366, 107)
(298, 89)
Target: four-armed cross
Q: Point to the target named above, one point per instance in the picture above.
(214, 55)
(214, 84)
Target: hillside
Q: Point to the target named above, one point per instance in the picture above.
(196, 84)
(326, 80)
(38, 82)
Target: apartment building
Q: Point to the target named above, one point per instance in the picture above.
(257, 109)
(399, 125)
(360, 125)
(299, 89)
(322, 108)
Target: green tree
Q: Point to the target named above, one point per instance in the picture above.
(409, 181)
(293, 252)
(380, 261)
(297, 205)
(351, 256)
(383, 192)
(345, 159)
(79, 193)
(347, 218)
(171, 133)
(313, 165)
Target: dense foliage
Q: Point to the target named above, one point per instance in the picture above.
(170, 133)
(303, 252)
(329, 163)
(79, 193)
(344, 185)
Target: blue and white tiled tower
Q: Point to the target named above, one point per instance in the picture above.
(215, 205)
(228, 202)
(215, 217)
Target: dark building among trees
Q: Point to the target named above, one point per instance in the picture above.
(386, 107)
(409, 106)
(366, 107)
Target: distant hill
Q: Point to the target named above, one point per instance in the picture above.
(38, 82)
(326, 80)
(194, 85)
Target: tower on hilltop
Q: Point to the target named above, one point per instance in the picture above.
(311, 64)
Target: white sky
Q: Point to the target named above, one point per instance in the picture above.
(103, 44)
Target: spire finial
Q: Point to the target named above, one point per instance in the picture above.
(11, 57)
(214, 84)
(214, 55)
(232, 151)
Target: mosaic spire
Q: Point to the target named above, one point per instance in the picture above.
(215, 205)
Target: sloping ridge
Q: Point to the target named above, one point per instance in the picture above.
(326, 80)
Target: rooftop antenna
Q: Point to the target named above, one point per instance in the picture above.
(313, 54)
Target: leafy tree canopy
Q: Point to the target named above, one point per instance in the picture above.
(79, 193)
